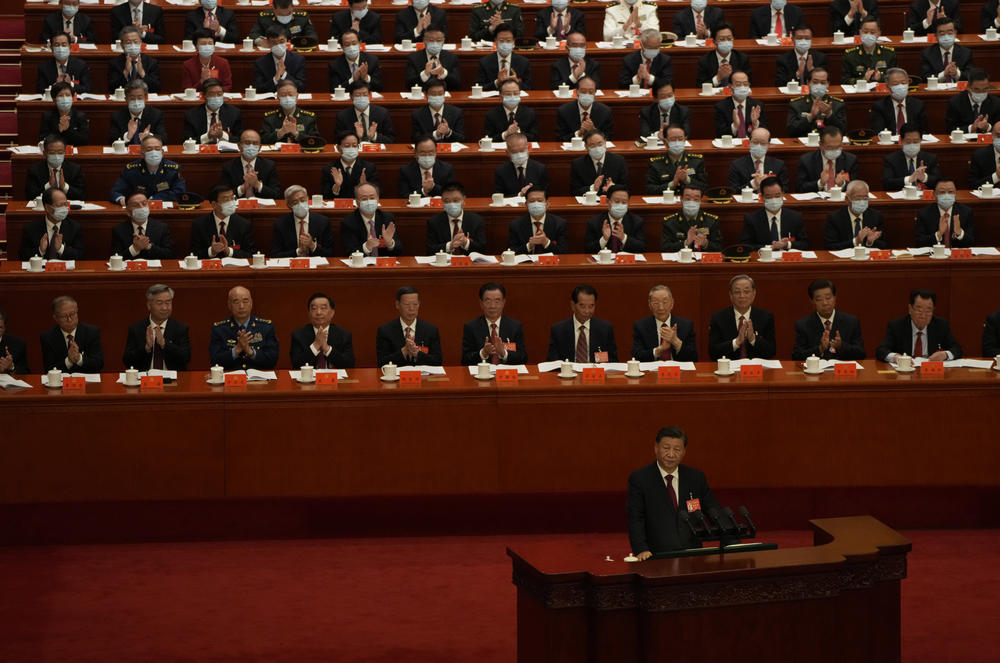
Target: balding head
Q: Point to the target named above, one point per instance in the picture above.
(240, 304)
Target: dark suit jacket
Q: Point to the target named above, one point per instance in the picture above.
(646, 338)
(568, 120)
(267, 173)
(684, 20)
(496, 122)
(264, 69)
(838, 231)
(574, 22)
(18, 351)
(554, 227)
(505, 177)
(899, 338)
(489, 68)
(38, 176)
(929, 218)
(653, 523)
(651, 118)
(416, 61)
(195, 19)
(741, 170)
(158, 233)
(959, 115)
(116, 72)
(991, 334)
(152, 21)
(988, 15)
(757, 228)
(389, 344)
(809, 331)
(559, 72)
(894, 169)
(439, 233)
(239, 234)
(222, 343)
(661, 68)
(838, 15)
(722, 330)
(285, 241)
(562, 340)
(196, 122)
(982, 166)
(369, 28)
(83, 27)
(474, 335)
(410, 179)
(422, 122)
(708, 66)
(635, 238)
(339, 339)
(918, 12)
(582, 172)
(176, 346)
(72, 233)
(354, 233)
(151, 117)
(724, 115)
(191, 72)
(87, 338)
(787, 66)
(376, 114)
(340, 72)
(75, 67)
(406, 22)
(811, 168)
(884, 114)
(77, 133)
(760, 20)
(347, 188)
(931, 61)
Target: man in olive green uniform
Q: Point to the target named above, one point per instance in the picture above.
(813, 111)
(677, 167)
(692, 227)
(486, 17)
(278, 124)
(869, 60)
(294, 22)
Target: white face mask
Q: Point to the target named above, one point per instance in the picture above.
(132, 50)
(536, 209)
(60, 52)
(772, 204)
(436, 101)
(675, 147)
(361, 103)
(352, 51)
(868, 39)
(206, 51)
(359, 13)
(349, 153)
(832, 155)
(802, 46)
(911, 150)
(140, 215)
(741, 92)
(597, 152)
(153, 158)
(426, 162)
(300, 209)
(59, 214)
(284, 20)
(618, 210)
(519, 158)
(229, 208)
(368, 207)
(278, 50)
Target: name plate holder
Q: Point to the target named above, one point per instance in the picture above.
(624, 259)
(752, 371)
(299, 263)
(410, 377)
(343, 203)
(711, 256)
(791, 256)
(385, 261)
(214, 263)
(51, 266)
(668, 373)
(247, 203)
(845, 370)
(506, 375)
(329, 379)
(236, 380)
(294, 148)
(880, 254)
(136, 266)
(155, 205)
(548, 260)
(593, 374)
(208, 149)
(151, 382)
(461, 261)
(961, 254)
(74, 383)
(933, 369)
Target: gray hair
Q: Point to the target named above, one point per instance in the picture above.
(158, 289)
(295, 188)
(60, 300)
(649, 32)
(741, 277)
(854, 185)
(129, 29)
(895, 70)
(137, 84)
(657, 288)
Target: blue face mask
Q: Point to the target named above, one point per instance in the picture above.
(666, 104)
(699, 5)
(868, 39)
(757, 151)
(69, 11)
(153, 158)
(724, 47)
(287, 103)
(510, 101)
(426, 162)
(536, 209)
(597, 152)
(560, 4)
(250, 152)
(911, 150)
(946, 41)
(899, 91)
(64, 103)
(136, 106)
(675, 147)
(690, 208)
(349, 153)
(60, 52)
(361, 103)
(209, 5)
(206, 51)
(435, 101)
(586, 100)
(741, 92)
(352, 52)
(359, 13)
(505, 48)
(946, 200)
(453, 210)
(618, 210)
(368, 207)
(817, 90)
(803, 45)
(576, 53)
(996, 144)
(55, 160)
(214, 103)
(859, 206)
(284, 20)
(434, 47)
(778, 5)
(772, 204)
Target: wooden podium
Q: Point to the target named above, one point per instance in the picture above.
(836, 601)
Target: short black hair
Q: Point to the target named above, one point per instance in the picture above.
(211, 82)
(284, 4)
(909, 128)
(977, 74)
(347, 133)
(59, 87)
(616, 188)
(922, 294)
(534, 188)
(487, 287)
(674, 432)
(274, 31)
(360, 84)
(350, 31)
(722, 26)
(503, 27)
(434, 82)
(134, 192)
(870, 19)
(423, 138)
(453, 186)
(694, 186)
(48, 193)
(830, 130)
(943, 20)
(218, 190)
(770, 180)
(584, 289)
(802, 26)
(320, 295)
(820, 284)
(406, 290)
(593, 132)
(675, 126)
(659, 83)
(202, 33)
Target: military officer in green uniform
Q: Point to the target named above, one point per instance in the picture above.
(486, 17)
(677, 167)
(813, 111)
(692, 227)
(289, 123)
(243, 340)
(869, 60)
(294, 22)
(158, 178)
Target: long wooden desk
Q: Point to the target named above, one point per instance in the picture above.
(794, 604)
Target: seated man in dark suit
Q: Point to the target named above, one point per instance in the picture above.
(985, 163)
(558, 21)
(663, 336)
(432, 62)
(991, 335)
(355, 65)
(989, 15)
(657, 494)
(910, 164)
(243, 340)
(214, 120)
(817, 109)
(139, 236)
(846, 15)
(920, 333)
(570, 70)
(437, 118)
(519, 174)
(137, 119)
(945, 222)
(949, 61)
(68, 123)
(781, 229)
(738, 115)
(321, 343)
(700, 20)
(492, 337)
(250, 175)
(147, 17)
(206, 64)
(158, 342)
(798, 63)
(13, 351)
(63, 68)
(576, 118)
(78, 26)
(425, 174)
(497, 67)
(301, 233)
(341, 177)
(511, 117)
(71, 346)
(582, 337)
(829, 333)
(368, 229)
(54, 236)
(741, 331)
(408, 340)
(716, 66)
(598, 170)
(616, 229)
(132, 64)
(369, 123)
(755, 167)
(223, 233)
(220, 21)
(54, 172)
(413, 22)
(828, 167)
(776, 17)
(924, 14)
(975, 110)
(855, 224)
(647, 65)
(279, 65)
(886, 112)
(454, 230)
(656, 117)
(537, 231)
(361, 19)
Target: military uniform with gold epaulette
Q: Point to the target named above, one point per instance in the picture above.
(479, 20)
(675, 230)
(857, 62)
(166, 183)
(799, 109)
(661, 170)
(299, 26)
(263, 344)
(305, 122)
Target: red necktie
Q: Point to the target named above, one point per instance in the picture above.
(670, 489)
(831, 177)
(614, 243)
(51, 253)
(779, 28)
(741, 131)
(321, 358)
(827, 326)
(900, 120)
(667, 354)
(743, 347)
(538, 228)
(158, 356)
(918, 345)
(495, 340)
(946, 236)
(559, 25)
(582, 348)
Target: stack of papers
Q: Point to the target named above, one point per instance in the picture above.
(167, 375)
(253, 375)
(10, 382)
(766, 363)
(70, 264)
(655, 365)
(88, 377)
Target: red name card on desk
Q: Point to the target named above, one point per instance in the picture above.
(326, 378)
(409, 377)
(151, 382)
(548, 260)
(443, 147)
(668, 372)
(299, 263)
(291, 147)
(74, 382)
(385, 261)
(506, 375)
(754, 371)
(461, 261)
(247, 203)
(436, 202)
(593, 374)
(155, 205)
(845, 370)
(711, 256)
(791, 256)
(371, 147)
(880, 254)
(214, 263)
(984, 138)
(961, 254)
(55, 266)
(932, 368)
(236, 380)
(208, 149)
(625, 259)
(136, 266)
(135, 149)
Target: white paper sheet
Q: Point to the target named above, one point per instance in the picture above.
(91, 378)
(638, 257)
(167, 375)
(655, 365)
(521, 368)
(70, 264)
(341, 373)
(676, 257)
(10, 382)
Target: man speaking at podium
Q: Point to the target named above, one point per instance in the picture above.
(657, 493)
